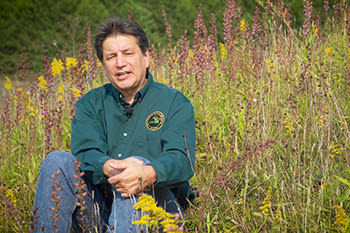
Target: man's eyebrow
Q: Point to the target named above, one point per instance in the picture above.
(127, 49)
(122, 50)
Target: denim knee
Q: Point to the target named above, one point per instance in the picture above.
(58, 160)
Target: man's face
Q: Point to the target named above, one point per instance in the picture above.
(124, 63)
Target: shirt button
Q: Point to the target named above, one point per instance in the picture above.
(119, 155)
(125, 134)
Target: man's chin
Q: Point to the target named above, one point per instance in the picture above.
(123, 88)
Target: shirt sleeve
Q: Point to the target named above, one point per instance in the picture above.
(88, 141)
(176, 162)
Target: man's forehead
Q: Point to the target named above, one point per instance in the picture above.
(124, 41)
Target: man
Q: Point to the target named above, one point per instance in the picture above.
(132, 136)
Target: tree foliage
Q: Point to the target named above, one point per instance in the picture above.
(62, 25)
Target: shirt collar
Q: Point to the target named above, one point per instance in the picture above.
(144, 90)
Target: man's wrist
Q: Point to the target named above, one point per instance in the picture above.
(151, 175)
(106, 168)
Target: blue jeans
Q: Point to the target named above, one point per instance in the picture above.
(103, 213)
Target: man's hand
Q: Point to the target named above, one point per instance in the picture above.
(129, 176)
(109, 171)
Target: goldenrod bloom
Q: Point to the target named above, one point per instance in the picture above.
(341, 220)
(85, 66)
(56, 66)
(223, 51)
(42, 82)
(288, 124)
(76, 92)
(8, 83)
(157, 216)
(9, 193)
(329, 50)
(60, 88)
(71, 62)
(190, 54)
(267, 202)
(334, 150)
(315, 29)
(242, 25)
(279, 214)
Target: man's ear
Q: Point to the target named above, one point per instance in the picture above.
(147, 59)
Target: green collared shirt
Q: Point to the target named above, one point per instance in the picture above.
(160, 128)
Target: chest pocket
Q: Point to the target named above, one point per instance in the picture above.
(149, 145)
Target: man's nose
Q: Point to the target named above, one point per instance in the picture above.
(120, 61)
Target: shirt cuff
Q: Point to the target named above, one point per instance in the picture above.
(98, 177)
(161, 173)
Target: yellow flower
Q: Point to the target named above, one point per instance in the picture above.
(56, 66)
(85, 66)
(9, 193)
(243, 25)
(341, 220)
(99, 64)
(76, 92)
(8, 83)
(315, 29)
(15, 99)
(156, 216)
(279, 214)
(163, 80)
(265, 208)
(271, 69)
(60, 88)
(190, 54)
(31, 109)
(288, 124)
(174, 59)
(334, 150)
(42, 82)
(71, 62)
(329, 50)
(223, 51)
(325, 185)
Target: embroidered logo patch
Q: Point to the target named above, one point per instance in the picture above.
(155, 121)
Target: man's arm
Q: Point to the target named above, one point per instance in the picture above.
(176, 163)
(88, 141)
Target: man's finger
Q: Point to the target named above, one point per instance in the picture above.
(119, 165)
(134, 160)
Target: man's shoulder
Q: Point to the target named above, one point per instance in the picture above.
(163, 90)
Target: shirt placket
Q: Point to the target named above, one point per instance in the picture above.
(125, 135)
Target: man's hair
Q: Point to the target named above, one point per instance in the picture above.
(118, 26)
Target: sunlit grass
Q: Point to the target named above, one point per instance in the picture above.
(272, 120)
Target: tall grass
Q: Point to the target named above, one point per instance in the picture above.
(272, 120)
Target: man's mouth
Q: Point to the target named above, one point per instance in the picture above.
(122, 74)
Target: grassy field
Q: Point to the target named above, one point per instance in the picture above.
(272, 120)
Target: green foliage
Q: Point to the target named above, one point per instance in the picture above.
(272, 112)
(62, 25)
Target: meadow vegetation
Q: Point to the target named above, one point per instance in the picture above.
(272, 120)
